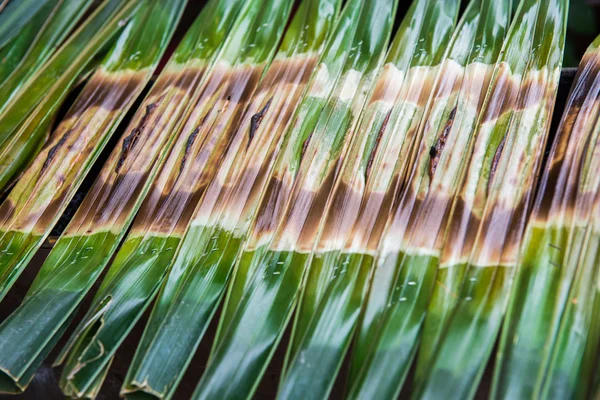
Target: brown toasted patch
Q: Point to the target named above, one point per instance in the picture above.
(501, 233)
(310, 221)
(106, 203)
(503, 95)
(296, 71)
(271, 207)
(462, 232)
(432, 219)
(341, 213)
(7, 209)
(175, 193)
(388, 86)
(421, 84)
(107, 90)
(572, 142)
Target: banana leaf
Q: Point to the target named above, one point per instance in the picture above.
(551, 252)
(26, 120)
(516, 124)
(409, 251)
(272, 263)
(34, 205)
(338, 276)
(198, 281)
(455, 239)
(102, 220)
(205, 142)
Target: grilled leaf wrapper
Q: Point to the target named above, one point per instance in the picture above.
(36, 202)
(271, 266)
(410, 249)
(553, 262)
(454, 238)
(25, 121)
(338, 275)
(514, 125)
(204, 262)
(100, 223)
(205, 142)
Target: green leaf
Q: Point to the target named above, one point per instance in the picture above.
(512, 135)
(269, 274)
(220, 221)
(207, 139)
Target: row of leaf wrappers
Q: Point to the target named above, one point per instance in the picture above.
(385, 198)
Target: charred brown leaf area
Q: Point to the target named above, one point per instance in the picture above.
(255, 121)
(107, 203)
(167, 213)
(131, 139)
(501, 232)
(435, 152)
(184, 80)
(108, 91)
(495, 162)
(54, 150)
(272, 206)
(569, 152)
(7, 209)
(503, 97)
(290, 71)
(377, 143)
(462, 232)
(341, 213)
(305, 145)
(308, 224)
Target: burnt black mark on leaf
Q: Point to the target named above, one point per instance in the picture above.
(495, 162)
(52, 152)
(305, 145)
(256, 120)
(190, 142)
(435, 152)
(130, 141)
(377, 142)
(188, 145)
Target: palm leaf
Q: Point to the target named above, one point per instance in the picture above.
(554, 241)
(25, 121)
(572, 361)
(249, 335)
(96, 229)
(205, 141)
(339, 272)
(198, 281)
(515, 126)
(15, 15)
(409, 250)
